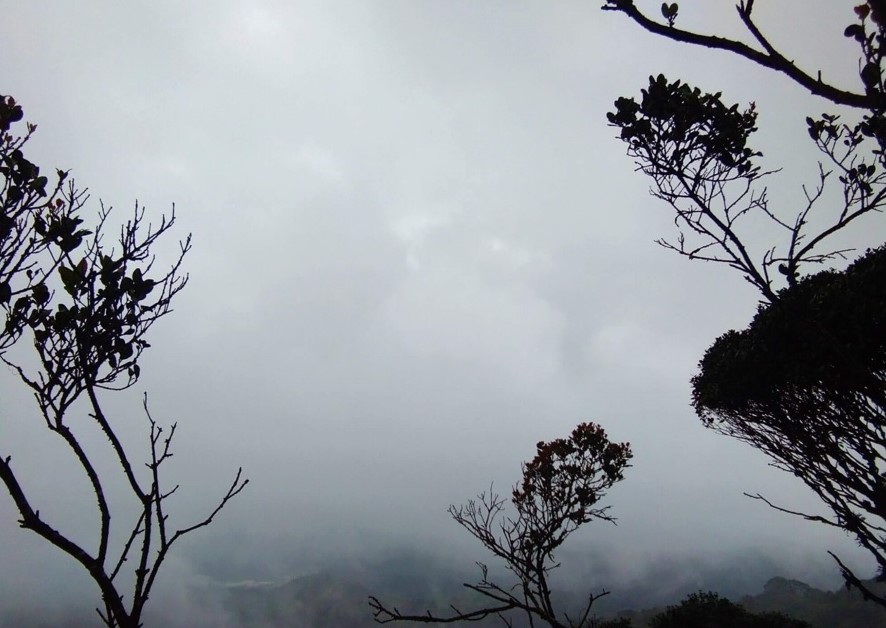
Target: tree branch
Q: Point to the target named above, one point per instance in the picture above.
(771, 59)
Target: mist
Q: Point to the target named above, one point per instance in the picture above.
(418, 251)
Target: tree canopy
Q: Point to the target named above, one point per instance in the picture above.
(806, 381)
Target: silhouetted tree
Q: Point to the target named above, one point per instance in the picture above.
(87, 308)
(709, 610)
(806, 382)
(560, 490)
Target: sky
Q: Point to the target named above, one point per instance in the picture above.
(418, 250)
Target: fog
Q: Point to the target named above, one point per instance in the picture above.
(418, 250)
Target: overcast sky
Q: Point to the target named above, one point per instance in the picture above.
(418, 250)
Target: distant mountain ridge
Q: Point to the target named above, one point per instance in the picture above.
(336, 600)
(822, 609)
(337, 597)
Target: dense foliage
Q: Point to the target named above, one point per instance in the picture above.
(823, 340)
(806, 383)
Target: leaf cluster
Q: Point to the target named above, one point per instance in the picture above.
(684, 130)
(669, 12)
(26, 205)
(696, 150)
(869, 31)
(568, 476)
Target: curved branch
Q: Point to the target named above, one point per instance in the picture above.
(30, 520)
(771, 59)
(853, 581)
(383, 615)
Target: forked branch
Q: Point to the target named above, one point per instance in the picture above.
(769, 57)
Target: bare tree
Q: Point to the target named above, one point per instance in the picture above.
(806, 381)
(87, 308)
(560, 490)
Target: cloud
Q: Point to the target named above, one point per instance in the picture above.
(418, 250)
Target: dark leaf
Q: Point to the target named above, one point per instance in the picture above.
(855, 31)
(870, 75)
(124, 349)
(41, 293)
(71, 279)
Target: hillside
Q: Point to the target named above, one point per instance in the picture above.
(334, 600)
(821, 609)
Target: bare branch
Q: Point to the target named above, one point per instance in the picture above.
(853, 581)
(383, 615)
(769, 58)
(808, 517)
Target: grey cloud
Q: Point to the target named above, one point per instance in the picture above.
(418, 251)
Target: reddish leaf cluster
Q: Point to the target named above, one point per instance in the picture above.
(568, 476)
(559, 492)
